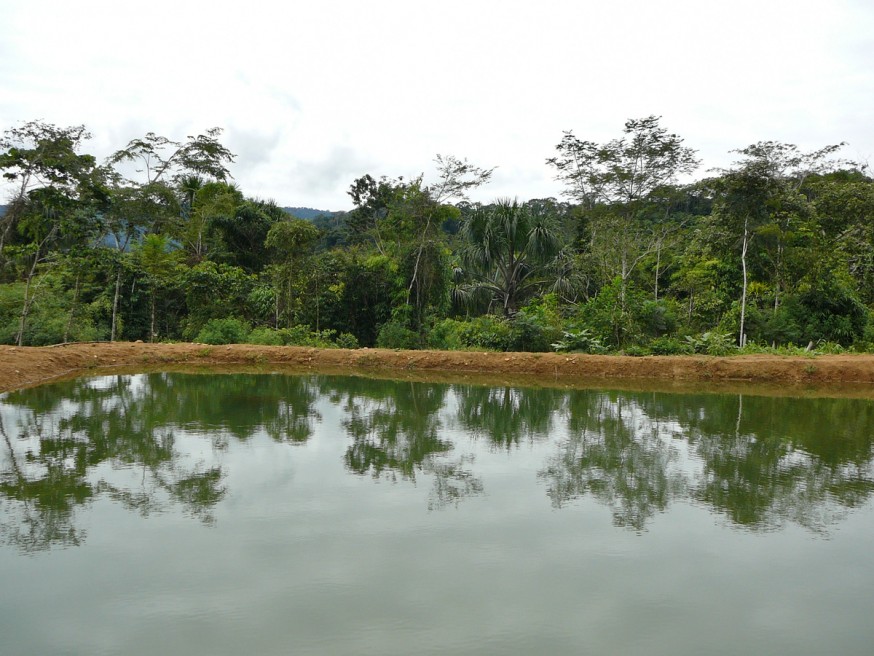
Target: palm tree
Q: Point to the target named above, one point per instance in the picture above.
(507, 250)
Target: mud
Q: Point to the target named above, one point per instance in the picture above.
(28, 366)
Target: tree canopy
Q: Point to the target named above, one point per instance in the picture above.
(159, 242)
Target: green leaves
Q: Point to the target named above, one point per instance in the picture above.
(622, 170)
(162, 158)
(507, 248)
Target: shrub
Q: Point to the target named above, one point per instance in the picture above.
(829, 348)
(670, 346)
(712, 343)
(829, 312)
(224, 331)
(396, 335)
(487, 332)
(301, 335)
(265, 336)
(446, 335)
(347, 341)
(580, 340)
(752, 348)
(530, 333)
(614, 314)
(658, 317)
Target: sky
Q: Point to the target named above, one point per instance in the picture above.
(312, 95)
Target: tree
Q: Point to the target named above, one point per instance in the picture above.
(158, 262)
(506, 250)
(456, 178)
(215, 203)
(149, 202)
(292, 242)
(162, 158)
(135, 211)
(752, 194)
(38, 155)
(405, 221)
(617, 184)
(623, 170)
(844, 203)
(58, 192)
(238, 228)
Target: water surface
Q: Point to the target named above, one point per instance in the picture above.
(277, 514)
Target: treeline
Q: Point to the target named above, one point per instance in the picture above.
(158, 243)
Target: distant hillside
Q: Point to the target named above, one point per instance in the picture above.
(308, 212)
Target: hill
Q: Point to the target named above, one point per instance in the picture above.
(308, 212)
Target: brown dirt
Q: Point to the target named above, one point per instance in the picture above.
(842, 374)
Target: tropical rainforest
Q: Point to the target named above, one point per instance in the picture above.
(640, 253)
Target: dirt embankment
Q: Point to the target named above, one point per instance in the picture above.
(27, 366)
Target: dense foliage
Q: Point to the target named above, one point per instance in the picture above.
(156, 243)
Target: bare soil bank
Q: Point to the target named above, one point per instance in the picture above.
(28, 366)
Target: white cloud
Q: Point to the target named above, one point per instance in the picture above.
(311, 94)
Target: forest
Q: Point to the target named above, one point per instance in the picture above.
(640, 252)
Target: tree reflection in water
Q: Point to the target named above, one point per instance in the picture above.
(616, 454)
(759, 462)
(506, 415)
(397, 431)
(64, 433)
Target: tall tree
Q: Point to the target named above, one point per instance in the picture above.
(753, 193)
(158, 263)
(57, 196)
(292, 243)
(616, 183)
(507, 249)
(405, 220)
(162, 159)
(148, 199)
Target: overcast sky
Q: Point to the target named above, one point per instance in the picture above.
(313, 94)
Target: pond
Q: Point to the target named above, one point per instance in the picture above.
(307, 514)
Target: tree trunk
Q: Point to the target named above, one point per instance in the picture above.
(28, 299)
(152, 324)
(25, 310)
(116, 296)
(779, 268)
(73, 309)
(742, 339)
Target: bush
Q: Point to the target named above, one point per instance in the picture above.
(829, 348)
(487, 332)
(670, 346)
(829, 312)
(266, 337)
(446, 335)
(529, 333)
(396, 335)
(616, 322)
(712, 343)
(578, 341)
(347, 341)
(658, 318)
(754, 348)
(636, 351)
(301, 335)
(223, 331)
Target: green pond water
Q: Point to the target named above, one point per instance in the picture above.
(176, 513)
